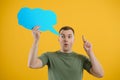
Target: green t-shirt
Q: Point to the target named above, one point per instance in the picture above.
(65, 66)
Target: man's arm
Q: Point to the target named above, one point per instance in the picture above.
(96, 68)
(33, 61)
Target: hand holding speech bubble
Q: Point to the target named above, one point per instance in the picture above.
(29, 18)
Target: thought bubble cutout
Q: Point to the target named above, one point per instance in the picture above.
(29, 18)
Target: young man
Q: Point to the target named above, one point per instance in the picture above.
(65, 64)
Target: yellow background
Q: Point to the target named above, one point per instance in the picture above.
(98, 20)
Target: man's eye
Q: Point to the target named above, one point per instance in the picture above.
(69, 36)
(63, 36)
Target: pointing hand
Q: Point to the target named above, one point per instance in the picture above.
(87, 45)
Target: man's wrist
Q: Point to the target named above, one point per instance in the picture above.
(90, 52)
(36, 41)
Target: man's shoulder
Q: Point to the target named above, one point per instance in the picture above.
(50, 53)
(79, 55)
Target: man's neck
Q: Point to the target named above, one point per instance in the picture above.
(66, 51)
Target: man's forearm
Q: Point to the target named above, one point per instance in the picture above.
(96, 67)
(33, 54)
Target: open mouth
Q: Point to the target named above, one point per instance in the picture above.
(66, 44)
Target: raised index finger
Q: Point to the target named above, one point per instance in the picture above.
(83, 39)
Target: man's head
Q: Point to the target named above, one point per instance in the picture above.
(66, 38)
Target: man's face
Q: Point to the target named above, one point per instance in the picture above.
(66, 40)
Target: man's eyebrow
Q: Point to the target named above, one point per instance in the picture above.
(64, 34)
(70, 34)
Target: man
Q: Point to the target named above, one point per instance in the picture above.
(65, 64)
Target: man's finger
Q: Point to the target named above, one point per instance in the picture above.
(83, 38)
(35, 28)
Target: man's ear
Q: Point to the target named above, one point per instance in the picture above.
(58, 38)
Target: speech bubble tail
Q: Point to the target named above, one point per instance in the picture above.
(54, 31)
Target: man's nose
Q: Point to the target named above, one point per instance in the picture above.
(65, 39)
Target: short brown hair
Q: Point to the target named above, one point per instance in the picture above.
(66, 28)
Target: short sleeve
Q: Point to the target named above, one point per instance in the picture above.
(87, 64)
(44, 58)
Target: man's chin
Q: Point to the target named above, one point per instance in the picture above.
(66, 50)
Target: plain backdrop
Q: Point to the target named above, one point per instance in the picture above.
(97, 20)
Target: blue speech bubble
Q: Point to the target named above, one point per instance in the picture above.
(29, 18)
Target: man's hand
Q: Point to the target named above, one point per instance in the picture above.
(87, 45)
(36, 33)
